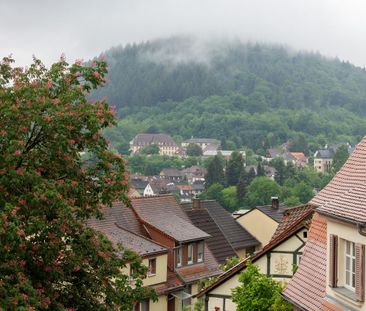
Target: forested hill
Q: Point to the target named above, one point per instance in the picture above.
(234, 90)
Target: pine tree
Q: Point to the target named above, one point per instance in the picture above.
(234, 168)
(241, 187)
(215, 172)
(260, 170)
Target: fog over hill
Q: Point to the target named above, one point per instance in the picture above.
(251, 94)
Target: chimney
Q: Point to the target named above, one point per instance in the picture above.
(275, 202)
(196, 203)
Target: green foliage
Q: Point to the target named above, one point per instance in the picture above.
(213, 192)
(193, 150)
(230, 262)
(260, 191)
(153, 164)
(228, 200)
(340, 157)
(215, 172)
(50, 259)
(241, 187)
(258, 292)
(198, 305)
(233, 168)
(150, 149)
(249, 95)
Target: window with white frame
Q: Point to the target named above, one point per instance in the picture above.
(179, 256)
(190, 254)
(350, 263)
(200, 252)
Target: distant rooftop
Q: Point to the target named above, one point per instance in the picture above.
(158, 139)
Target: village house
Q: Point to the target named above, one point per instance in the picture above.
(166, 144)
(331, 275)
(240, 240)
(194, 173)
(323, 158)
(172, 174)
(262, 221)
(204, 143)
(277, 259)
(173, 249)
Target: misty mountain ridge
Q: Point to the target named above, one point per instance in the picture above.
(231, 90)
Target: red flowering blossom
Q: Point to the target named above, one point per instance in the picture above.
(48, 192)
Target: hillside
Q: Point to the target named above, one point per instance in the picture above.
(247, 94)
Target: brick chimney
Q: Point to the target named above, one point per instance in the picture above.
(196, 203)
(275, 202)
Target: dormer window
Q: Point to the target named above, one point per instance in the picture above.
(200, 252)
(190, 254)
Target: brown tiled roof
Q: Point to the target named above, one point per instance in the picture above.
(171, 172)
(165, 214)
(217, 243)
(292, 215)
(114, 226)
(237, 236)
(307, 287)
(346, 188)
(173, 283)
(159, 139)
(295, 227)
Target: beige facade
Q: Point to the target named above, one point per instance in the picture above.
(259, 225)
(343, 295)
(322, 165)
(278, 262)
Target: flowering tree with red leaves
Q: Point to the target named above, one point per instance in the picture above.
(49, 258)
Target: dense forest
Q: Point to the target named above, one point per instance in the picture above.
(251, 95)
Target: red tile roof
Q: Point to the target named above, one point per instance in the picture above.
(346, 187)
(307, 287)
(292, 215)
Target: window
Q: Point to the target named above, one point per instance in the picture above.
(350, 263)
(179, 256)
(298, 258)
(305, 234)
(200, 252)
(152, 267)
(190, 254)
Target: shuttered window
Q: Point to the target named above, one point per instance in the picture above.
(333, 262)
(360, 272)
(350, 265)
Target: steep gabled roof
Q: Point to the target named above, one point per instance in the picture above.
(346, 189)
(165, 214)
(306, 289)
(116, 220)
(237, 236)
(344, 197)
(295, 227)
(217, 243)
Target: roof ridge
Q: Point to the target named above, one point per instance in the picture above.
(141, 236)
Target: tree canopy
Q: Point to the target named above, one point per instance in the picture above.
(50, 259)
(258, 292)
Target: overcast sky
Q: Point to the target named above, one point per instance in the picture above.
(85, 28)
